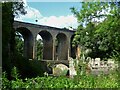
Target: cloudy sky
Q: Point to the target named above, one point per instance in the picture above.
(55, 14)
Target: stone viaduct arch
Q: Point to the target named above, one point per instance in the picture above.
(28, 41)
(62, 46)
(47, 44)
(51, 51)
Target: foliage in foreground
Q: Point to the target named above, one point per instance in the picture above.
(79, 81)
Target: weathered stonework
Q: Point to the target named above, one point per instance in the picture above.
(49, 35)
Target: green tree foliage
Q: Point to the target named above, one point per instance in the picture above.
(99, 28)
(19, 43)
(39, 49)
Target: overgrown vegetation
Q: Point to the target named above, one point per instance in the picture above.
(19, 45)
(39, 43)
(79, 81)
(98, 28)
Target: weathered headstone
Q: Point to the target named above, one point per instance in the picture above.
(72, 68)
(111, 63)
(60, 69)
(97, 61)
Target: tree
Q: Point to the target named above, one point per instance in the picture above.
(9, 10)
(99, 28)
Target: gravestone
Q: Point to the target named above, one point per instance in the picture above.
(72, 68)
(60, 70)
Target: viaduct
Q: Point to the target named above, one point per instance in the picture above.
(49, 35)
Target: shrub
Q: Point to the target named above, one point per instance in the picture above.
(79, 81)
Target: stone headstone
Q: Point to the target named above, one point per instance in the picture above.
(60, 70)
(72, 68)
(97, 61)
(111, 63)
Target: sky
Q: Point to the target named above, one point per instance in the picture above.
(55, 14)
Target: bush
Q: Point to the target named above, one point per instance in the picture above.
(79, 81)
(5, 81)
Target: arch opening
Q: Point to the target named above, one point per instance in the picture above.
(28, 42)
(61, 47)
(39, 49)
(19, 43)
(73, 48)
(47, 41)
